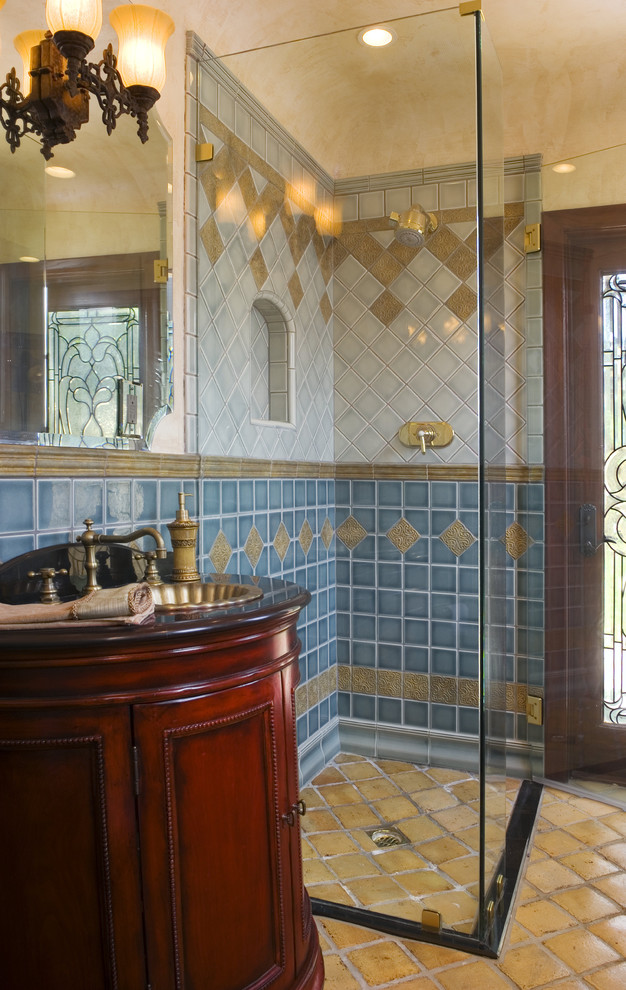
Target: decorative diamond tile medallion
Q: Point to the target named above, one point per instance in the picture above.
(457, 538)
(281, 541)
(327, 533)
(306, 536)
(516, 540)
(253, 546)
(351, 532)
(403, 535)
(221, 552)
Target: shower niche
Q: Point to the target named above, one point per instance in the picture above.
(388, 256)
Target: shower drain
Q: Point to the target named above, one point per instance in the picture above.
(385, 837)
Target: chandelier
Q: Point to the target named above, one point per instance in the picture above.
(53, 102)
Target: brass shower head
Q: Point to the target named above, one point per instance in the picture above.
(413, 225)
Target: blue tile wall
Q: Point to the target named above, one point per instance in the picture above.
(371, 607)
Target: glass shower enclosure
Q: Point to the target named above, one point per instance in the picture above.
(325, 150)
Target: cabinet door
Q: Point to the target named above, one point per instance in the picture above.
(70, 911)
(215, 850)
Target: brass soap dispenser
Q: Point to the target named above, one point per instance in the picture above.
(184, 533)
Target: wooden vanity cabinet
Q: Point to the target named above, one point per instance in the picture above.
(149, 834)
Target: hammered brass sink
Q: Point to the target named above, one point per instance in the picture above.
(201, 595)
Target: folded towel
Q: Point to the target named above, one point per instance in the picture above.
(132, 603)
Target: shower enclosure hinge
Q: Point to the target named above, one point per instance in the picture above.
(136, 773)
(471, 7)
(534, 710)
(204, 152)
(532, 238)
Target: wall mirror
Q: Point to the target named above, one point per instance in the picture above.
(86, 354)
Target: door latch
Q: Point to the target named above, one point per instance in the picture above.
(587, 531)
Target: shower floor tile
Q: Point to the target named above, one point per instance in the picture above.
(436, 811)
(568, 925)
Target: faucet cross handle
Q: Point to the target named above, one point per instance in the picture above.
(49, 593)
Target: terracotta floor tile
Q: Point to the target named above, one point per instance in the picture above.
(399, 861)
(590, 808)
(311, 798)
(435, 956)
(463, 871)
(344, 935)
(613, 931)
(337, 975)
(456, 819)
(517, 934)
(332, 843)
(335, 794)
(423, 882)
(360, 771)
(467, 790)
(610, 978)
(435, 799)
(531, 966)
(392, 767)
(420, 983)
(593, 833)
(355, 865)
(614, 886)
(445, 776)
(561, 814)
(616, 820)
(375, 890)
(581, 950)
(421, 829)
(472, 976)
(383, 962)
(353, 816)
(319, 821)
(331, 892)
(549, 876)
(585, 904)
(589, 864)
(543, 918)
(454, 906)
(412, 780)
(557, 843)
(378, 787)
(350, 758)
(394, 809)
(330, 775)
(441, 850)
(616, 852)
(314, 871)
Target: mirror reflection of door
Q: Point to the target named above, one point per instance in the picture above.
(585, 341)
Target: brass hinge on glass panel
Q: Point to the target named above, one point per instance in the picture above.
(204, 152)
(471, 7)
(160, 270)
(532, 238)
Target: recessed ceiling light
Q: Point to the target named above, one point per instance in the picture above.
(564, 167)
(29, 258)
(58, 172)
(376, 37)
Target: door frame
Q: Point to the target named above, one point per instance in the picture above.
(559, 229)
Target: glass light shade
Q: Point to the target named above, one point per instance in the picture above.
(75, 15)
(23, 44)
(142, 32)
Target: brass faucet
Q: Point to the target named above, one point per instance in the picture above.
(90, 541)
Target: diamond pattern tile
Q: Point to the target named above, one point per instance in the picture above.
(516, 541)
(281, 541)
(457, 538)
(253, 546)
(351, 533)
(220, 553)
(403, 535)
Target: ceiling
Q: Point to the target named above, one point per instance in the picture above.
(359, 112)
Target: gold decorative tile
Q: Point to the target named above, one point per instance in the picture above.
(363, 680)
(468, 693)
(281, 541)
(351, 533)
(363, 247)
(306, 536)
(462, 262)
(221, 552)
(386, 307)
(386, 269)
(403, 535)
(326, 308)
(301, 697)
(295, 290)
(327, 533)
(344, 677)
(248, 189)
(390, 683)
(443, 690)
(463, 302)
(443, 242)
(259, 268)
(457, 538)
(253, 546)
(516, 540)
(403, 252)
(212, 241)
(416, 687)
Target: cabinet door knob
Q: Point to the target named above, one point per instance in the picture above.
(299, 808)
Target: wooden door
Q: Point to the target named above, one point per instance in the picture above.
(584, 256)
(215, 847)
(70, 911)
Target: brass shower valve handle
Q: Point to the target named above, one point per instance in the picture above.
(425, 435)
